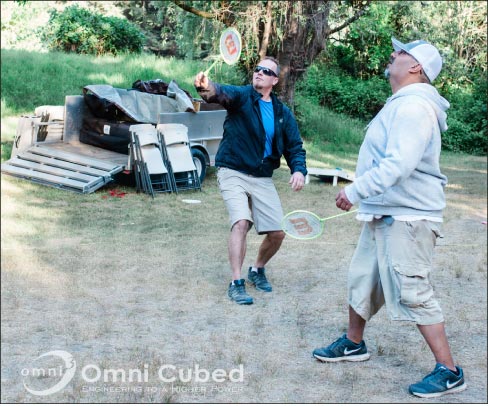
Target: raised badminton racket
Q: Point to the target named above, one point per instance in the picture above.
(230, 48)
(305, 225)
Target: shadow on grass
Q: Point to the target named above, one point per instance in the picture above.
(6, 150)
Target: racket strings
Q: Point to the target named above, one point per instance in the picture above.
(302, 225)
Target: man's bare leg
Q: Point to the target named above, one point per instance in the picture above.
(237, 247)
(436, 338)
(356, 327)
(269, 247)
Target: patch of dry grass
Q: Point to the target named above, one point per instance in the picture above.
(135, 283)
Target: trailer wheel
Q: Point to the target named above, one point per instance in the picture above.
(200, 163)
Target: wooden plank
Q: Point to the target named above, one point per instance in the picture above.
(66, 156)
(63, 164)
(74, 111)
(51, 179)
(325, 174)
(91, 151)
(329, 172)
(53, 170)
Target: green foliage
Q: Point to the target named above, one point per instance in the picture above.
(467, 118)
(366, 46)
(460, 138)
(363, 99)
(20, 23)
(32, 79)
(344, 94)
(326, 130)
(171, 31)
(82, 31)
(348, 76)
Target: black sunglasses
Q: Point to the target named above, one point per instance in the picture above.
(266, 71)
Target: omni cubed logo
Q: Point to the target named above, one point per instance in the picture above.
(52, 371)
(49, 373)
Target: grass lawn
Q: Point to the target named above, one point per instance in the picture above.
(133, 283)
(135, 289)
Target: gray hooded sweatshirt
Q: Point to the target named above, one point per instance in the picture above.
(398, 169)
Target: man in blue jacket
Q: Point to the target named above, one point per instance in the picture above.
(258, 130)
(400, 190)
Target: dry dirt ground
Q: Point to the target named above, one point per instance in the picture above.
(134, 290)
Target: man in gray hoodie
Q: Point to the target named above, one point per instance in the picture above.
(400, 191)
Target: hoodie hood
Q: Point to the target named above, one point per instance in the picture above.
(430, 94)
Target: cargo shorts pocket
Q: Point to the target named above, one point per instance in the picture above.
(413, 285)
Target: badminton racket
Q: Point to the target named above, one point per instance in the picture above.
(230, 48)
(305, 225)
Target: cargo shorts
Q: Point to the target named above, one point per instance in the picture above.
(250, 198)
(392, 266)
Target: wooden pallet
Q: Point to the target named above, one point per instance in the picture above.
(61, 169)
(329, 174)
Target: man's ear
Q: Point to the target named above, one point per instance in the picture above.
(415, 68)
(275, 81)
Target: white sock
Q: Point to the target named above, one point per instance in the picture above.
(254, 269)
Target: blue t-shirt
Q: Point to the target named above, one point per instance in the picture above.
(268, 121)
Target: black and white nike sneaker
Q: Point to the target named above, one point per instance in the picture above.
(342, 349)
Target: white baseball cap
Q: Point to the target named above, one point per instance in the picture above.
(424, 53)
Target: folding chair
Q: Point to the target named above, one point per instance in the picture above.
(148, 163)
(136, 128)
(180, 159)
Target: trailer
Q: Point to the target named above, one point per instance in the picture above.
(49, 151)
(205, 129)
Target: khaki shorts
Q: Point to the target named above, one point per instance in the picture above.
(392, 265)
(249, 198)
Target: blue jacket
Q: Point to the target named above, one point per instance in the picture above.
(242, 146)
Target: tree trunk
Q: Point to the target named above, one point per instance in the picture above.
(306, 32)
(267, 30)
(304, 27)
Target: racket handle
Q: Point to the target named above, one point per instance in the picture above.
(210, 68)
(340, 214)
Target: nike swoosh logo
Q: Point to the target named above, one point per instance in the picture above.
(347, 352)
(450, 385)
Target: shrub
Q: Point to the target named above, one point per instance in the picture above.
(345, 94)
(330, 131)
(461, 138)
(363, 99)
(82, 31)
(467, 117)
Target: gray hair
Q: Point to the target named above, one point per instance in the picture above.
(275, 61)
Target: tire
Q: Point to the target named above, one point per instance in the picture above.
(200, 163)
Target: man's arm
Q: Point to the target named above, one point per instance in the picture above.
(212, 92)
(294, 153)
(408, 137)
